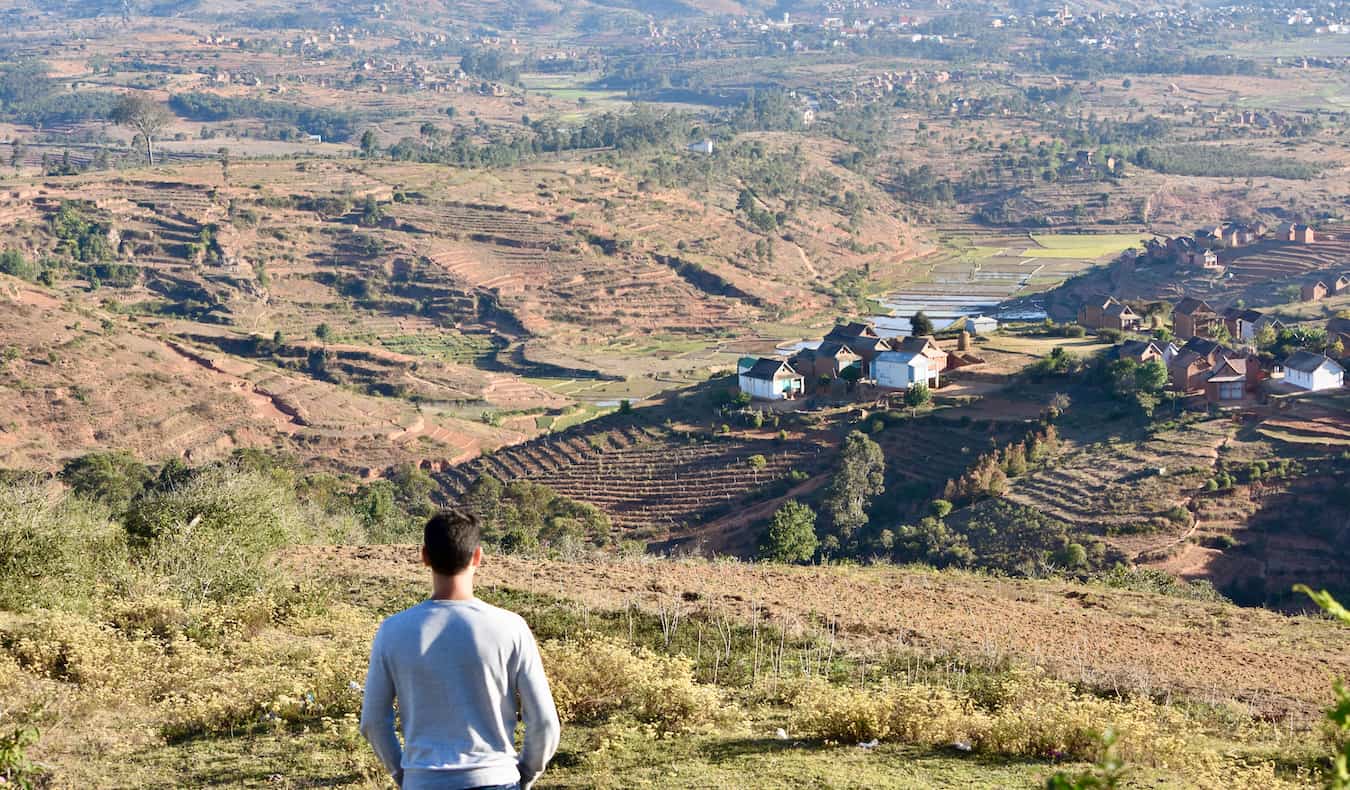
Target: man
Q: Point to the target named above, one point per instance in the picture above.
(461, 671)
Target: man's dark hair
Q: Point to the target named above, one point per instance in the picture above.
(451, 537)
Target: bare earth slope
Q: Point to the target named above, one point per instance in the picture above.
(1104, 637)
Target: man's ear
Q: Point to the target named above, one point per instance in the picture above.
(425, 559)
(477, 558)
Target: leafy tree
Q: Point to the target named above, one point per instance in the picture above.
(918, 396)
(223, 156)
(370, 144)
(920, 324)
(113, 478)
(323, 332)
(792, 534)
(147, 116)
(860, 478)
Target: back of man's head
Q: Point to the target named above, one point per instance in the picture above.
(450, 538)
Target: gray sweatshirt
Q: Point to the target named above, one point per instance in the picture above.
(457, 669)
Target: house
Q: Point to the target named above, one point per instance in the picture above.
(1211, 351)
(771, 379)
(1187, 371)
(1226, 383)
(1303, 234)
(862, 340)
(1313, 372)
(1108, 312)
(924, 345)
(1243, 324)
(1204, 259)
(902, 369)
(1139, 350)
(1169, 353)
(981, 325)
(704, 146)
(1312, 292)
(827, 361)
(1341, 284)
(1193, 317)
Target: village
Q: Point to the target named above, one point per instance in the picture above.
(1232, 357)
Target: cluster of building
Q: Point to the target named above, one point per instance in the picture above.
(1203, 364)
(852, 353)
(1201, 250)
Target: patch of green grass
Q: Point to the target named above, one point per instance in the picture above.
(1066, 245)
(454, 347)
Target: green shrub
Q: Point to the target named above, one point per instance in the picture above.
(210, 538)
(55, 549)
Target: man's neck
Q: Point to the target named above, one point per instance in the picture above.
(452, 588)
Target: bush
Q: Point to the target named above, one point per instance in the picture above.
(210, 537)
(598, 677)
(54, 548)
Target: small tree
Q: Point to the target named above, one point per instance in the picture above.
(792, 534)
(917, 396)
(920, 324)
(369, 144)
(223, 156)
(323, 332)
(860, 478)
(147, 116)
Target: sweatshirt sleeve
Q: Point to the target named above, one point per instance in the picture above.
(542, 728)
(377, 710)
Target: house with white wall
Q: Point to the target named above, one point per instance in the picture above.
(1313, 372)
(770, 379)
(902, 369)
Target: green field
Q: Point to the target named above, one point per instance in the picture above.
(1086, 247)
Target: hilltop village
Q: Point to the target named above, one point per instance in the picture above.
(1214, 357)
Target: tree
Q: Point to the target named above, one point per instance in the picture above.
(917, 396)
(223, 156)
(860, 478)
(114, 478)
(16, 151)
(147, 116)
(323, 332)
(920, 324)
(369, 144)
(792, 534)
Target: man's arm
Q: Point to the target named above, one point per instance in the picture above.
(377, 712)
(542, 729)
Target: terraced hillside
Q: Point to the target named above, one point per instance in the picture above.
(1255, 274)
(1133, 493)
(111, 382)
(653, 483)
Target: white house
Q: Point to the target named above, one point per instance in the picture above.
(1309, 371)
(770, 379)
(900, 369)
(982, 325)
(704, 146)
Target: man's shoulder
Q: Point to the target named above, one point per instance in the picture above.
(469, 610)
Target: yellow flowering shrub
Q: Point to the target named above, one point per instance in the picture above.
(597, 677)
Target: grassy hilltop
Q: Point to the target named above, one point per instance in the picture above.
(214, 633)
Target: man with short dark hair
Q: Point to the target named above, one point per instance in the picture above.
(462, 671)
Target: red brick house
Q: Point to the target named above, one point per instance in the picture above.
(1108, 312)
(1188, 371)
(1313, 292)
(1193, 317)
(1226, 384)
(925, 346)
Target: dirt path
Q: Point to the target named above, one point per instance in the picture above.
(806, 262)
(1105, 637)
